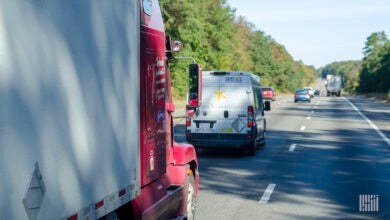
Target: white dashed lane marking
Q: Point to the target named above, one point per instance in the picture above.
(292, 147)
(267, 193)
(369, 122)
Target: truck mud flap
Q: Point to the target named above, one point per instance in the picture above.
(168, 205)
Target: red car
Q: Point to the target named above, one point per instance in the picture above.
(268, 93)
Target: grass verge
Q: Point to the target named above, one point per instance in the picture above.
(383, 97)
(179, 102)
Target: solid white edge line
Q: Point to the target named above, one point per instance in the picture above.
(369, 122)
(292, 147)
(267, 193)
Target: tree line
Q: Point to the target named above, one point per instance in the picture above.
(370, 75)
(220, 40)
(349, 71)
(375, 74)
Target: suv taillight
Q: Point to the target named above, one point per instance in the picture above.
(250, 116)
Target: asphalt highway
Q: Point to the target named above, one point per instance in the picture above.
(328, 159)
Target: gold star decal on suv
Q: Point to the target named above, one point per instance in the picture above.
(219, 95)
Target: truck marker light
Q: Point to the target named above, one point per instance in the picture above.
(189, 172)
(73, 217)
(99, 204)
(250, 124)
(122, 192)
(188, 122)
(112, 197)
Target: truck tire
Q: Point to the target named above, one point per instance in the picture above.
(251, 147)
(264, 136)
(261, 142)
(191, 199)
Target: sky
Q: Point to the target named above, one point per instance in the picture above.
(318, 32)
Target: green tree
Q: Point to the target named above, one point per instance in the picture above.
(383, 73)
(349, 70)
(375, 50)
(220, 40)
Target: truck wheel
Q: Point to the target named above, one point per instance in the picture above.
(191, 199)
(262, 141)
(251, 147)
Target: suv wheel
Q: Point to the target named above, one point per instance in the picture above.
(251, 148)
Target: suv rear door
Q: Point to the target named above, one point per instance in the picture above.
(224, 107)
(233, 100)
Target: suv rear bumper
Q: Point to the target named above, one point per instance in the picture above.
(213, 140)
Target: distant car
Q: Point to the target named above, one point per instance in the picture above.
(268, 93)
(302, 95)
(311, 91)
(316, 92)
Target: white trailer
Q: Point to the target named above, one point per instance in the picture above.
(333, 85)
(69, 132)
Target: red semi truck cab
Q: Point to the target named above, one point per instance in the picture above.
(174, 166)
(86, 113)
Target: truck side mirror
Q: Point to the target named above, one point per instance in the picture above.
(267, 105)
(194, 94)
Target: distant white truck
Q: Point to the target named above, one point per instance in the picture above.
(333, 85)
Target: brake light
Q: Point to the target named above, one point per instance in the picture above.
(250, 116)
(250, 109)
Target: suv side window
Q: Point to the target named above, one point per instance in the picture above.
(256, 101)
(259, 98)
